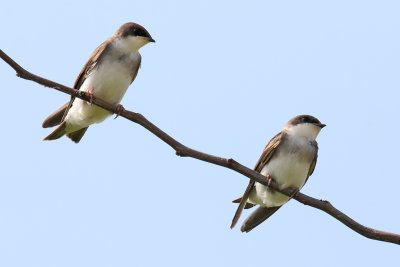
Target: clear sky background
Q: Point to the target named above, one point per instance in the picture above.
(223, 78)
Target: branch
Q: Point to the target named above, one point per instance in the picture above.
(184, 151)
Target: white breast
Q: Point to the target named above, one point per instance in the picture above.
(112, 78)
(109, 81)
(288, 168)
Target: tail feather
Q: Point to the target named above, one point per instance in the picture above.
(57, 133)
(56, 117)
(247, 206)
(243, 203)
(257, 217)
(77, 135)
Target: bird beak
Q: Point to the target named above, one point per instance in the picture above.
(151, 40)
(320, 125)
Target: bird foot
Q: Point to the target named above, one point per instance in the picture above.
(88, 93)
(269, 180)
(120, 108)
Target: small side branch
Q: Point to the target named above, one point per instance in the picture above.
(183, 151)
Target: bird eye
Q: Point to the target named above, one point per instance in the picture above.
(138, 32)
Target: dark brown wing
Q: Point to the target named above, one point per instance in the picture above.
(136, 70)
(269, 151)
(90, 65)
(59, 115)
(92, 62)
(265, 157)
(257, 217)
(313, 163)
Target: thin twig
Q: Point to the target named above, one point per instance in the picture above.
(184, 151)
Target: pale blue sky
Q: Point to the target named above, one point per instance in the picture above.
(223, 78)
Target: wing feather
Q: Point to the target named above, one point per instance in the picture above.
(264, 158)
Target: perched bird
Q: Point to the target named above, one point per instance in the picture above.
(289, 158)
(107, 74)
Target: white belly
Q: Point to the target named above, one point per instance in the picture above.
(108, 82)
(288, 171)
